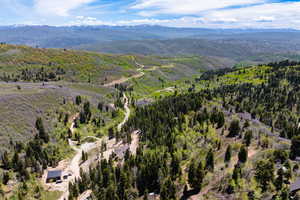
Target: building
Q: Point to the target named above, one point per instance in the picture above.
(54, 176)
(120, 151)
(294, 187)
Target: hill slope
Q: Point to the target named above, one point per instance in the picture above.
(36, 82)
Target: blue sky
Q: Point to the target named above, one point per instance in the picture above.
(179, 13)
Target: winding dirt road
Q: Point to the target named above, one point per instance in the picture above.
(74, 166)
(127, 112)
(125, 79)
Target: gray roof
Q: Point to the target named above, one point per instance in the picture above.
(295, 186)
(54, 174)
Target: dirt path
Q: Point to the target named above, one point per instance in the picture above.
(85, 195)
(127, 112)
(168, 89)
(75, 164)
(125, 79)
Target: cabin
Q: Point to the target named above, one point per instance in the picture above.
(54, 176)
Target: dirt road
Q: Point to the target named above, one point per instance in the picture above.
(127, 112)
(74, 166)
(125, 79)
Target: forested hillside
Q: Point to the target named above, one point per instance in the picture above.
(141, 127)
(238, 48)
(233, 134)
(44, 92)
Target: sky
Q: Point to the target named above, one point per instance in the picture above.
(175, 13)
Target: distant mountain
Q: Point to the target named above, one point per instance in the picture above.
(235, 49)
(238, 45)
(70, 36)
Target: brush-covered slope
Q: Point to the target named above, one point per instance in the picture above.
(38, 82)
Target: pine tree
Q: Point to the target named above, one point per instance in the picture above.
(196, 175)
(66, 119)
(15, 161)
(199, 176)
(175, 167)
(264, 173)
(168, 190)
(111, 133)
(228, 154)
(210, 161)
(221, 120)
(248, 138)
(42, 134)
(243, 154)
(5, 178)
(234, 128)
(295, 147)
(5, 160)
(191, 173)
(78, 100)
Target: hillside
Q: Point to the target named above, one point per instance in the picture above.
(238, 48)
(233, 134)
(37, 80)
(136, 126)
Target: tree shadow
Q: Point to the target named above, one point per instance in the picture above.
(189, 193)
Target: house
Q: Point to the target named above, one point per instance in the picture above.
(120, 151)
(294, 187)
(54, 176)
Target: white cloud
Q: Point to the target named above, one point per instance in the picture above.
(144, 21)
(185, 7)
(88, 21)
(272, 15)
(266, 15)
(58, 7)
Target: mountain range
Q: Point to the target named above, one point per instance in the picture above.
(238, 45)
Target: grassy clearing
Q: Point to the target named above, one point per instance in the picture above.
(32, 190)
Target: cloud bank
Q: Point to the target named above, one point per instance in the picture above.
(179, 13)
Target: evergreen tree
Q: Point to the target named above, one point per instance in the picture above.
(78, 100)
(66, 119)
(243, 154)
(111, 133)
(228, 154)
(168, 190)
(234, 128)
(279, 179)
(5, 178)
(42, 134)
(295, 147)
(237, 172)
(264, 173)
(199, 176)
(175, 167)
(192, 173)
(5, 160)
(248, 138)
(210, 160)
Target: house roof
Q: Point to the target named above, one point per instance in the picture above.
(54, 174)
(295, 186)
